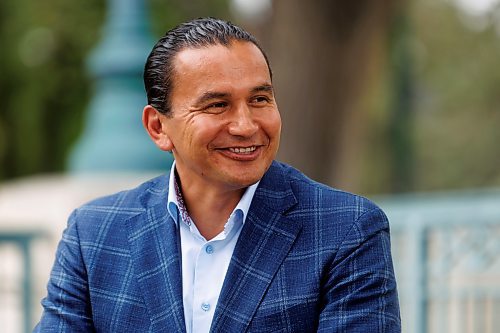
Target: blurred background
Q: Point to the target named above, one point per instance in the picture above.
(396, 100)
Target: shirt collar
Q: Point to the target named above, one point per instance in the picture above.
(175, 201)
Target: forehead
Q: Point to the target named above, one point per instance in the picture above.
(240, 60)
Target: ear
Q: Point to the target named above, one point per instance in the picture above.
(154, 123)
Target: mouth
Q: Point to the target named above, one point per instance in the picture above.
(242, 150)
(243, 154)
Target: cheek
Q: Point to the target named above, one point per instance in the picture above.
(272, 125)
(204, 130)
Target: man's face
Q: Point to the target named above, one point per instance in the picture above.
(225, 124)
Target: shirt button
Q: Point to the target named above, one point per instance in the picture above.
(209, 249)
(205, 307)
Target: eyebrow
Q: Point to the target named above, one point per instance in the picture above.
(264, 88)
(209, 95)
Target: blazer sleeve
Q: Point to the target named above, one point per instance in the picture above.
(67, 305)
(360, 288)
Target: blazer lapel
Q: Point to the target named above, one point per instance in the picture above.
(154, 242)
(264, 242)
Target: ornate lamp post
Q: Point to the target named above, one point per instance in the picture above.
(113, 138)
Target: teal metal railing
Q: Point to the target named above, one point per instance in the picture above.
(446, 250)
(23, 241)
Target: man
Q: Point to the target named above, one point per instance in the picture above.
(230, 241)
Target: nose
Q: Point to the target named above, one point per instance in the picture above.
(243, 124)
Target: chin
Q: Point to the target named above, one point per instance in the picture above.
(245, 180)
(244, 176)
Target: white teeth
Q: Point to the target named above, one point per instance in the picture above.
(247, 150)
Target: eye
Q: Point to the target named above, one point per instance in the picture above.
(216, 107)
(260, 100)
(219, 105)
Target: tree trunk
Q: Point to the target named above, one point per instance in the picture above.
(322, 53)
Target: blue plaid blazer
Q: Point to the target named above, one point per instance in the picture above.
(309, 258)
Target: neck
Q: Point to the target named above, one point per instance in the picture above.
(210, 208)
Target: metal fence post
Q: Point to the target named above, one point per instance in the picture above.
(418, 291)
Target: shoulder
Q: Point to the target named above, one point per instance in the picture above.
(331, 207)
(120, 206)
(312, 193)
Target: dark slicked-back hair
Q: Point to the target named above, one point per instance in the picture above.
(197, 33)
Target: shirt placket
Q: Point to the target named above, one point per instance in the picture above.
(204, 300)
(207, 285)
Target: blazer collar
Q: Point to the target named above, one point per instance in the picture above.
(155, 247)
(264, 242)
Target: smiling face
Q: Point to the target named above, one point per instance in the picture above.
(224, 129)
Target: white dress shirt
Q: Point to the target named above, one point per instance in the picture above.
(204, 263)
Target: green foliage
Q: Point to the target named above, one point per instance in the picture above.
(458, 102)
(43, 86)
(165, 14)
(451, 131)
